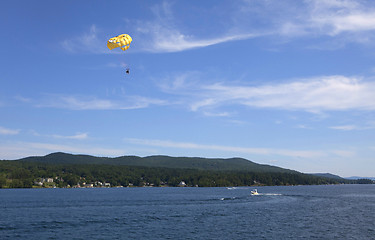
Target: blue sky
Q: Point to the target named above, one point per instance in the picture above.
(286, 83)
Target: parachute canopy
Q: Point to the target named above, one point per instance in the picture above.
(122, 41)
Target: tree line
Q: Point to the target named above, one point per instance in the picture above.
(18, 174)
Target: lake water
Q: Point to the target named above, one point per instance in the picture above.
(295, 212)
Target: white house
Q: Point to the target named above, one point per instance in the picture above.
(182, 184)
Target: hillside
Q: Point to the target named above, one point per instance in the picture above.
(327, 175)
(357, 178)
(210, 164)
(68, 170)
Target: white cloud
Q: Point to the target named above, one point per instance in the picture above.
(243, 150)
(302, 126)
(156, 35)
(365, 126)
(22, 99)
(161, 34)
(312, 18)
(345, 127)
(8, 131)
(319, 94)
(217, 114)
(344, 153)
(344, 21)
(269, 152)
(93, 103)
(78, 136)
(170, 40)
(86, 42)
(16, 150)
(316, 95)
(342, 16)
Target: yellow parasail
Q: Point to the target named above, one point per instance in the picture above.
(122, 41)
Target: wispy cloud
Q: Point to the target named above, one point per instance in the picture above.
(160, 34)
(16, 150)
(365, 126)
(345, 21)
(313, 18)
(94, 103)
(337, 17)
(345, 127)
(22, 99)
(341, 21)
(8, 131)
(78, 136)
(318, 94)
(167, 39)
(90, 42)
(238, 150)
(344, 153)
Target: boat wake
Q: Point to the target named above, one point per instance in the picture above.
(270, 194)
(228, 198)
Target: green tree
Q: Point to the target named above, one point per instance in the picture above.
(3, 181)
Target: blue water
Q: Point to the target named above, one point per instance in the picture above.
(312, 212)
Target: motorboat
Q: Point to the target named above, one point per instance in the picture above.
(254, 192)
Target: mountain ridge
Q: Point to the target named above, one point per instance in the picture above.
(200, 163)
(358, 177)
(327, 175)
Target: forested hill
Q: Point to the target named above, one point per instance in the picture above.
(68, 170)
(327, 175)
(210, 164)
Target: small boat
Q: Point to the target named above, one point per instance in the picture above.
(254, 192)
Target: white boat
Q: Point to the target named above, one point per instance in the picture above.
(254, 192)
